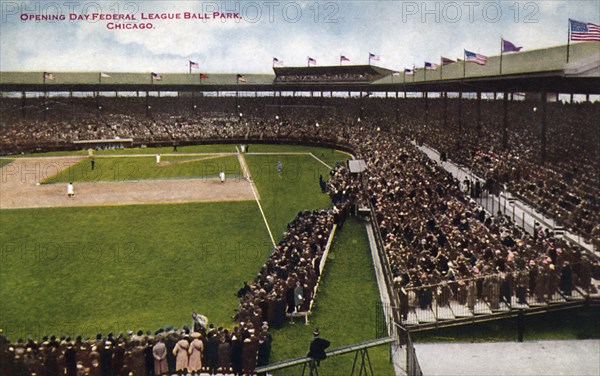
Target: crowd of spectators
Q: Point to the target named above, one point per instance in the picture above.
(440, 244)
(166, 352)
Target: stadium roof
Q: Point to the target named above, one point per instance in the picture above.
(528, 71)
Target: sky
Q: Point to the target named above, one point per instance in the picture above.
(402, 33)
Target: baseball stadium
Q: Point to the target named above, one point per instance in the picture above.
(249, 214)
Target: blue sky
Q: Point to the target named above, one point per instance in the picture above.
(402, 32)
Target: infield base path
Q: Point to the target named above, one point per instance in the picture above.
(19, 190)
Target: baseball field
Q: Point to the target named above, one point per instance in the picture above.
(143, 242)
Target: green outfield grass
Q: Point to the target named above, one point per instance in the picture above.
(139, 168)
(5, 161)
(112, 268)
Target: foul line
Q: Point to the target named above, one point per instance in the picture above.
(323, 163)
(246, 172)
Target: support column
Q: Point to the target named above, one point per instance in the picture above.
(426, 96)
(23, 104)
(479, 113)
(544, 127)
(446, 110)
(460, 95)
(505, 121)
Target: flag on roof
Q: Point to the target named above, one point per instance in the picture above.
(582, 31)
(49, 76)
(429, 65)
(509, 47)
(395, 73)
(156, 76)
(446, 61)
(104, 75)
(373, 56)
(202, 76)
(194, 64)
(344, 58)
(409, 71)
(311, 61)
(242, 78)
(276, 61)
(475, 57)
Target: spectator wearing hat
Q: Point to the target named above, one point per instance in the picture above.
(237, 356)
(316, 351)
(195, 354)
(212, 352)
(224, 354)
(159, 352)
(181, 355)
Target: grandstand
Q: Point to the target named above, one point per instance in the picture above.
(446, 258)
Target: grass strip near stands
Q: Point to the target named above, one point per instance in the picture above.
(345, 308)
(139, 168)
(102, 269)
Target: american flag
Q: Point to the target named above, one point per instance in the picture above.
(373, 56)
(395, 73)
(278, 62)
(475, 58)
(581, 31)
(202, 76)
(49, 76)
(156, 76)
(311, 61)
(104, 75)
(429, 65)
(193, 64)
(408, 71)
(344, 58)
(241, 78)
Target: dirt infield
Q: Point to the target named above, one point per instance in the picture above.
(20, 188)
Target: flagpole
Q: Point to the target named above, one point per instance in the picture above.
(501, 52)
(441, 68)
(464, 63)
(100, 77)
(568, 39)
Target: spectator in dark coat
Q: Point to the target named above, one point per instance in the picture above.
(316, 352)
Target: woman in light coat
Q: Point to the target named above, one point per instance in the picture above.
(195, 351)
(181, 353)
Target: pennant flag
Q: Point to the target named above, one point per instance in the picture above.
(311, 61)
(475, 58)
(202, 76)
(409, 71)
(104, 75)
(241, 78)
(344, 58)
(193, 64)
(49, 76)
(278, 62)
(431, 66)
(581, 31)
(373, 56)
(395, 73)
(446, 61)
(509, 47)
(156, 76)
